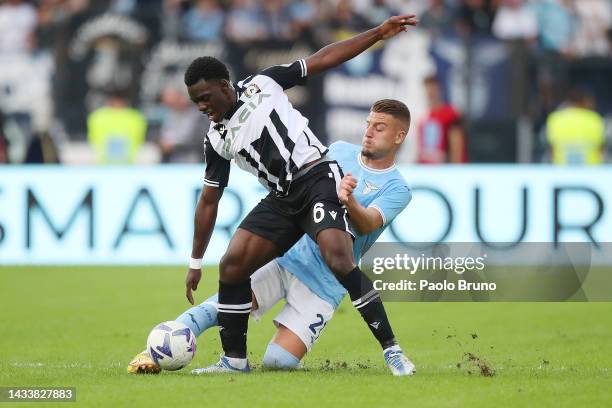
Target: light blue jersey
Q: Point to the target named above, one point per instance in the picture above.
(386, 190)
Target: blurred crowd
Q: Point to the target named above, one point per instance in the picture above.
(34, 45)
(572, 27)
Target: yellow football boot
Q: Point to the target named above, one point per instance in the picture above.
(143, 364)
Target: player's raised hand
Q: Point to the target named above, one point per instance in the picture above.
(191, 282)
(348, 184)
(396, 24)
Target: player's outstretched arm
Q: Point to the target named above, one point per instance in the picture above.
(204, 223)
(341, 51)
(364, 220)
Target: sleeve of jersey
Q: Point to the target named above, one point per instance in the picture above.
(217, 168)
(288, 75)
(391, 202)
(338, 146)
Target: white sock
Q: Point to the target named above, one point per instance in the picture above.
(239, 363)
(394, 348)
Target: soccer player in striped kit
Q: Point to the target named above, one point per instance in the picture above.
(254, 124)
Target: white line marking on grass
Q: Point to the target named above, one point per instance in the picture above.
(26, 364)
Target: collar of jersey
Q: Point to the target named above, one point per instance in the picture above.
(237, 105)
(362, 164)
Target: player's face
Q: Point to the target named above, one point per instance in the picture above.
(383, 135)
(213, 98)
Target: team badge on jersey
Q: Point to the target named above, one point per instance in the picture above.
(252, 90)
(369, 187)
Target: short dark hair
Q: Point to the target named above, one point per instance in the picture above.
(205, 68)
(394, 108)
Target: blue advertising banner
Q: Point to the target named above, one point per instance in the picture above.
(144, 215)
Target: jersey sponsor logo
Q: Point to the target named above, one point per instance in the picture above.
(249, 108)
(243, 115)
(333, 214)
(375, 325)
(369, 187)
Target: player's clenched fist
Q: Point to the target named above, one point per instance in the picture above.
(347, 186)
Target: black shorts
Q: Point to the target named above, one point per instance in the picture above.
(310, 207)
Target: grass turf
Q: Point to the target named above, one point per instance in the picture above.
(79, 326)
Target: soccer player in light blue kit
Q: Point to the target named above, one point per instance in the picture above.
(374, 192)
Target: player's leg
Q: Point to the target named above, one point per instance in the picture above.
(264, 234)
(245, 254)
(267, 289)
(336, 249)
(328, 226)
(299, 325)
(285, 350)
(201, 317)
(364, 297)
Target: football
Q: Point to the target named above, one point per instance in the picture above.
(172, 345)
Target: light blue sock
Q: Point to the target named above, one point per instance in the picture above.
(201, 317)
(279, 358)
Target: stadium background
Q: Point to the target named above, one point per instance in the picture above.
(65, 213)
(504, 64)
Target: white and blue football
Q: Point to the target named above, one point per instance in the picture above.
(172, 345)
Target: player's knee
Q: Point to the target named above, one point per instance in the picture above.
(277, 357)
(337, 251)
(338, 261)
(230, 269)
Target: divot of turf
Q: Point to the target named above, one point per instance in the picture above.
(486, 370)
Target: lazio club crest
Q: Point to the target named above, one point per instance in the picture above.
(369, 187)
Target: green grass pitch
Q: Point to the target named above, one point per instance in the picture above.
(79, 326)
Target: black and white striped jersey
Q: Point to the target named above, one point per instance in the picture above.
(263, 133)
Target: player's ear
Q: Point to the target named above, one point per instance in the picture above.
(399, 137)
